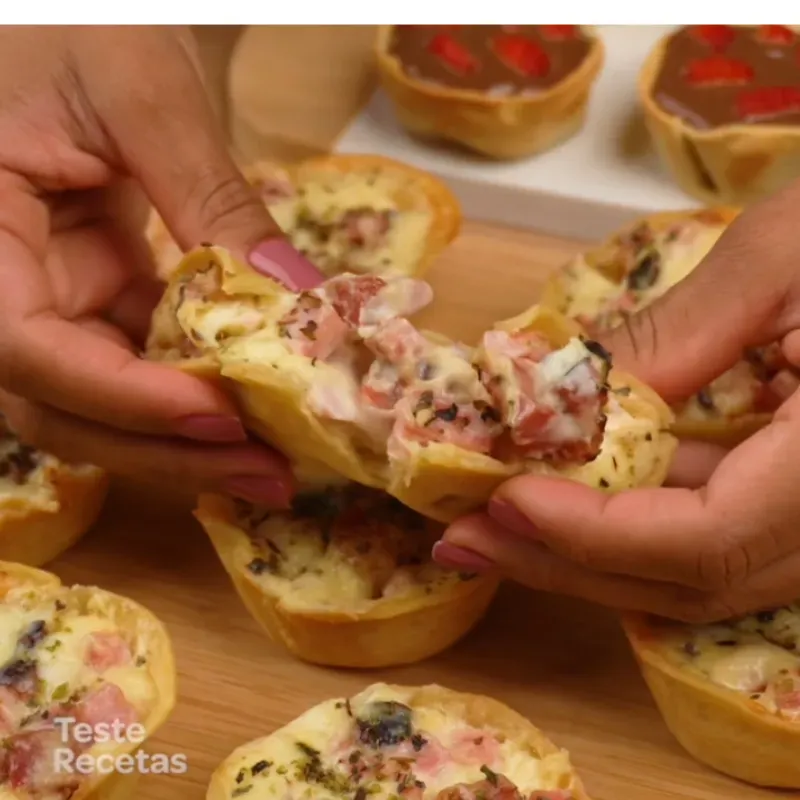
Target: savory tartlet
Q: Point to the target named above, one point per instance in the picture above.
(728, 692)
(345, 578)
(423, 743)
(722, 105)
(348, 213)
(504, 91)
(77, 656)
(339, 376)
(46, 505)
(636, 265)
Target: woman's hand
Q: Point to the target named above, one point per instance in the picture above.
(725, 539)
(88, 118)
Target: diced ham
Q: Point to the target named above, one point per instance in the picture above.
(498, 787)
(551, 794)
(313, 328)
(366, 227)
(471, 746)
(107, 649)
(11, 707)
(348, 294)
(431, 758)
(399, 343)
(788, 704)
(29, 763)
(106, 704)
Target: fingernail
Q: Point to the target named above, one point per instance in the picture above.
(278, 259)
(451, 556)
(258, 489)
(209, 428)
(510, 517)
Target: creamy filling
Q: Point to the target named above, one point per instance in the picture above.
(757, 656)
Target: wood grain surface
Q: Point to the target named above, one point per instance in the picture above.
(562, 663)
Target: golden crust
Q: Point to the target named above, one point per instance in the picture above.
(439, 481)
(559, 290)
(733, 164)
(135, 620)
(417, 190)
(34, 536)
(393, 632)
(476, 711)
(717, 726)
(497, 127)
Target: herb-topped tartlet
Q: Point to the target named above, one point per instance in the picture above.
(504, 91)
(722, 104)
(345, 578)
(414, 743)
(729, 692)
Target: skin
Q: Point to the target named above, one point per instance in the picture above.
(723, 537)
(105, 120)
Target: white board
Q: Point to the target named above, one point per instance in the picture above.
(584, 189)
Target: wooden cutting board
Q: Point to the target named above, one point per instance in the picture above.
(563, 663)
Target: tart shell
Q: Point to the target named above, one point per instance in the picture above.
(717, 726)
(393, 632)
(503, 128)
(733, 164)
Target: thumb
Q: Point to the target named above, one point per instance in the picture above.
(737, 297)
(171, 142)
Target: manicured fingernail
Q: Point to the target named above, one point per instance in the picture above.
(258, 489)
(208, 428)
(451, 556)
(510, 517)
(278, 259)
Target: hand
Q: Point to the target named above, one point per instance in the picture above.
(89, 117)
(724, 538)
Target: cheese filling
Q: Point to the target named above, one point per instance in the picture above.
(757, 656)
(376, 744)
(344, 549)
(62, 658)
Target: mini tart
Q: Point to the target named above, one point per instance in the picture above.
(631, 269)
(338, 376)
(46, 506)
(83, 653)
(722, 105)
(345, 579)
(421, 743)
(488, 119)
(729, 693)
(355, 213)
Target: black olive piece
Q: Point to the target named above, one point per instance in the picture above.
(20, 674)
(385, 722)
(598, 350)
(690, 648)
(704, 400)
(37, 630)
(646, 272)
(726, 643)
(425, 370)
(258, 566)
(447, 414)
(765, 617)
(318, 505)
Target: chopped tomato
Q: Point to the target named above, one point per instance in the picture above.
(107, 649)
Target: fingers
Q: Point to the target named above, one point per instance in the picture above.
(246, 470)
(169, 140)
(735, 298)
(694, 463)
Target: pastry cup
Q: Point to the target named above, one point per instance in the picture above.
(717, 726)
(502, 128)
(380, 633)
(428, 211)
(38, 524)
(321, 727)
(732, 164)
(441, 481)
(583, 286)
(132, 620)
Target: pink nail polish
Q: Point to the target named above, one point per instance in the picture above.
(259, 489)
(510, 517)
(451, 556)
(278, 259)
(209, 428)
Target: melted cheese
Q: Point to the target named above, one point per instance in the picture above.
(328, 728)
(324, 198)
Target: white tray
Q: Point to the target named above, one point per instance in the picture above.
(586, 188)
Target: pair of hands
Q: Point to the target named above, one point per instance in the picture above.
(108, 116)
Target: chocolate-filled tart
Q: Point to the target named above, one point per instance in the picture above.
(722, 105)
(504, 91)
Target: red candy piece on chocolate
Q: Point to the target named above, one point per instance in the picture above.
(718, 70)
(558, 32)
(776, 34)
(453, 53)
(522, 55)
(768, 101)
(716, 36)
